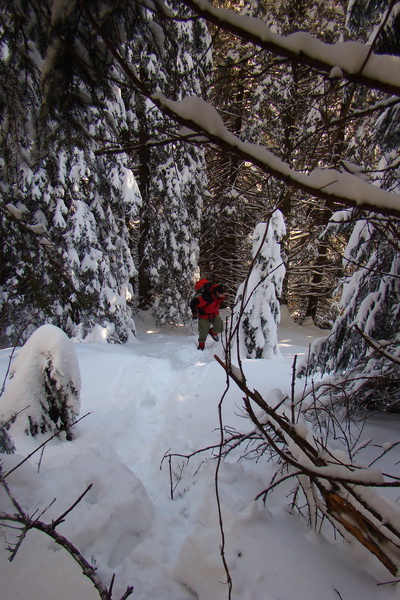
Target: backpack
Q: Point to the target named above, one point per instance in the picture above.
(202, 285)
(202, 296)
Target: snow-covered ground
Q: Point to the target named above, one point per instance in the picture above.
(145, 398)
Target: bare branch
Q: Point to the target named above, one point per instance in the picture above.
(42, 446)
(338, 484)
(28, 523)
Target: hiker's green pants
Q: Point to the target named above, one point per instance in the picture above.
(205, 324)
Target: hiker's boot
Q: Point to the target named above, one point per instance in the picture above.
(214, 335)
(201, 346)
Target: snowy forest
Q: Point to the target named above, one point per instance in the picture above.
(148, 143)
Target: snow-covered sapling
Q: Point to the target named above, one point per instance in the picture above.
(44, 384)
(257, 310)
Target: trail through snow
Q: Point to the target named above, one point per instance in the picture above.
(146, 398)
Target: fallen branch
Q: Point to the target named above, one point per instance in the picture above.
(333, 488)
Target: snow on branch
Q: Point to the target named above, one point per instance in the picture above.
(341, 491)
(353, 60)
(327, 184)
(196, 115)
(377, 346)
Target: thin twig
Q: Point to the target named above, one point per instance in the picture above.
(42, 445)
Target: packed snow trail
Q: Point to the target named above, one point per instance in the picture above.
(145, 398)
(163, 395)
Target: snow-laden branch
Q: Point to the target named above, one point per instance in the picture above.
(353, 61)
(327, 184)
(196, 115)
(377, 346)
(340, 490)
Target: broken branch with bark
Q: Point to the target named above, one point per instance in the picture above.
(333, 488)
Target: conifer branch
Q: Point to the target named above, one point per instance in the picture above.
(279, 170)
(258, 35)
(377, 347)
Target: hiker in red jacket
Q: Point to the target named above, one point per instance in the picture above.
(205, 306)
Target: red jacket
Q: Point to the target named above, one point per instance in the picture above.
(205, 304)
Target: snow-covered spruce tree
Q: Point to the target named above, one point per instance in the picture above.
(361, 353)
(68, 209)
(44, 386)
(172, 175)
(172, 247)
(257, 313)
(288, 108)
